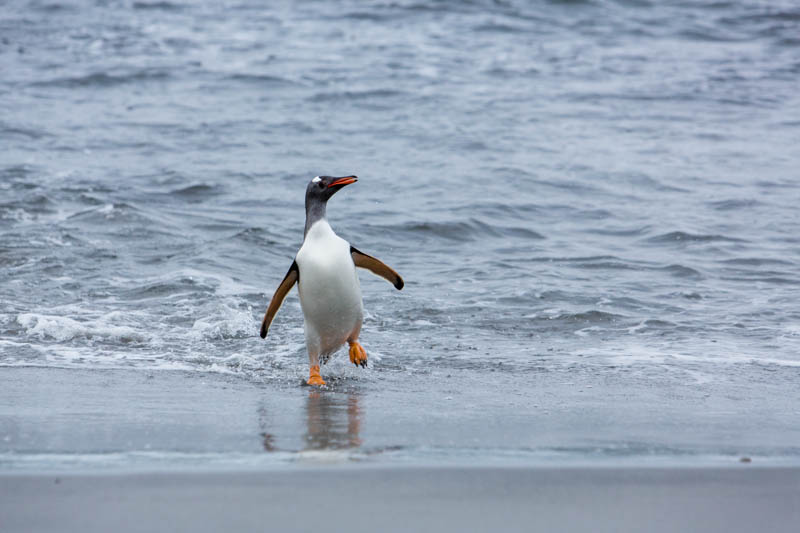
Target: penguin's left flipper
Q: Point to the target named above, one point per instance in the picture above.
(277, 299)
(376, 266)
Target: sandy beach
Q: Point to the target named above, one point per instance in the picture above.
(737, 499)
(123, 451)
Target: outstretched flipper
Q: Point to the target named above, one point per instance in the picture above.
(376, 266)
(277, 299)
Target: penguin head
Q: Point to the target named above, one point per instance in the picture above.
(321, 188)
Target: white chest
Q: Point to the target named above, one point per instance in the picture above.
(330, 294)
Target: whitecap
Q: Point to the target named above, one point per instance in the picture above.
(63, 328)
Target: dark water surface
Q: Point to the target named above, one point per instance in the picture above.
(594, 206)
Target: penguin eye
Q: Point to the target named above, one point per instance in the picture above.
(320, 184)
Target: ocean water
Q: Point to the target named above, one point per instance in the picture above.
(594, 206)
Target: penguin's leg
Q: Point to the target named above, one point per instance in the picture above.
(313, 346)
(313, 373)
(313, 376)
(358, 356)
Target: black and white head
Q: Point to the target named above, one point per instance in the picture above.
(321, 188)
(319, 191)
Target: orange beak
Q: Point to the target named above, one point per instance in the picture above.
(347, 180)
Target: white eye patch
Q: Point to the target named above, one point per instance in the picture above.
(316, 179)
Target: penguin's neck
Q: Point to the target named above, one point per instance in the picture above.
(320, 234)
(315, 211)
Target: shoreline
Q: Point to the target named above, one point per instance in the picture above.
(142, 463)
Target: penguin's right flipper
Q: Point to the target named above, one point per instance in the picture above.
(277, 299)
(376, 266)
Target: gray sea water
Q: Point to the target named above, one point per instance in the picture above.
(594, 205)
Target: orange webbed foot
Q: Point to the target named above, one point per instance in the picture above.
(357, 355)
(313, 376)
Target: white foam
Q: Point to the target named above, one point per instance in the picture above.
(328, 457)
(18, 214)
(639, 327)
(713, 353)
(226, 323)
(62, 328)
(107, 210)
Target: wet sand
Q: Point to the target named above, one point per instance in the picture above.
(354, 499)
(71, 419)
(124, 451)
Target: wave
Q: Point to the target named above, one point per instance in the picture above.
(756, 261)
(369, 16)
(778, 278)
(159, 6)
(260, 79)
(611, 262)
(469, 230)
(62, 328)
(592, 316)
(579, 259)
(197, 192)
(681, 271)
(369, 94)
(606, 264)
(258, 236)
(226, 323)
(735, 204)
(496, 27)
(173, 284)
(105, 79)
(29, 208)
(7, 130)
(621, 232)
(682, 237)
(120, 213)
(17, 172)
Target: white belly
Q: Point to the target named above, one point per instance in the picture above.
(330, 294)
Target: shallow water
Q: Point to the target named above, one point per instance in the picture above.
(594, 199)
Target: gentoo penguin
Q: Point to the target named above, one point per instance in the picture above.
(325, 272)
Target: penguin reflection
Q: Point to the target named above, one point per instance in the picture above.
(333, 421)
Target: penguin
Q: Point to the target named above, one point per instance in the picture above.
(325, 272)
